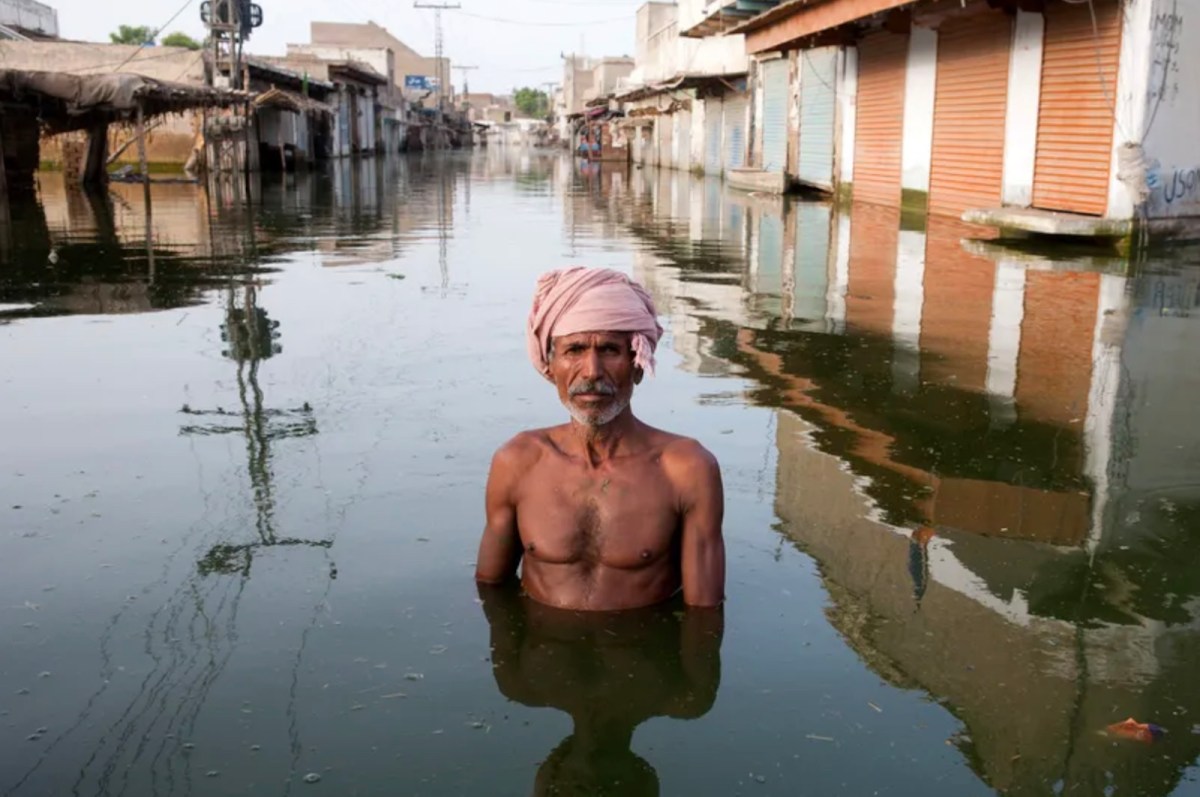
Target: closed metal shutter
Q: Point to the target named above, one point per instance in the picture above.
(683, 140)
(1075, 121)
(967, 169)
(775, 115)
(713, 117)
(666, 132)
(878, 135)
(735, 130)
(818, 103)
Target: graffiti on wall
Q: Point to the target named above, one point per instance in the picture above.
(1165, 31)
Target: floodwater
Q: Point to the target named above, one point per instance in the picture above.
(242, 475)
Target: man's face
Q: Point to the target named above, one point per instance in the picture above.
(594, 374)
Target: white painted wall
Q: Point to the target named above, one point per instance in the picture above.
(29, 15)
(698, 140)
(1160, 61)
(1004, 342)
(920, 83)
(847, 102)
(1021, 117)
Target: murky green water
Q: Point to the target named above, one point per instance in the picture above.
(242, 473)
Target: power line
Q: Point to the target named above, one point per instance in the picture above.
(162, 27)
(582, 23)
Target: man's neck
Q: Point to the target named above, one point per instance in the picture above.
(599, 444)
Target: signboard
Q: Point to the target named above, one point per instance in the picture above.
(420, 82)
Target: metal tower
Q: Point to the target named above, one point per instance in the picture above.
(439, 46)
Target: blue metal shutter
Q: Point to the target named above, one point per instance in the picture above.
(769, 277)
(818, 98)
(712, 135)
(812, 270)
(735, 131)
(775, 115)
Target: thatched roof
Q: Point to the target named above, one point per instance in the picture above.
(73, 102)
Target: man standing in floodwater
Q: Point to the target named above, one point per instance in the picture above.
(605, 512)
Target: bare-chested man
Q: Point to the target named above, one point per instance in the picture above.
(604, 512)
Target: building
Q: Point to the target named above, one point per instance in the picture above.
(686, 100)
(22, 20)
(415, 75)
(979, 110)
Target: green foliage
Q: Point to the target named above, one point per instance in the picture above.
(133, 34)
(180, 39)
(531, 102)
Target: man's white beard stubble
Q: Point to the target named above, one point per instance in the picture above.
(593, 420)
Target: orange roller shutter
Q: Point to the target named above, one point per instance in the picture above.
(879, 131)
(968, 113)
(1075, 121)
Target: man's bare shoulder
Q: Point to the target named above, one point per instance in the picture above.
(679, 453)
(524, 449)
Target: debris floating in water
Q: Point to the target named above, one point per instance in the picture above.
(877, 708)
(817, 738)
(212, 773)
(1136, 731)
(414, 676)
(312, 777)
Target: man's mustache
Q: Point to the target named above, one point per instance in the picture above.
(598, 387)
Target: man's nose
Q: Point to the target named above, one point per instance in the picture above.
(591, 365)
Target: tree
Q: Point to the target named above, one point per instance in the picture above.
(180, 39)
(531, 102)
(133, 34)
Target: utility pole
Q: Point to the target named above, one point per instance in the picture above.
(465, 70)
(439, 46)
(550, 86)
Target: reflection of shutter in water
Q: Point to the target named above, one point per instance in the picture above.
(817, 104)
(812, 257)
(775, 115)
(769, 277)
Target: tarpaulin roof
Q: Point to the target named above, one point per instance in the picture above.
(291, 101)
(71, 102)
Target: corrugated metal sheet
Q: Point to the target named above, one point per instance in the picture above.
(1075, 121)
(811, 280)
(665, 128)
(882, 62)
(967, 169)
(683, 140)
(775, 115)
(735, 130)
(713, 122)
(818, 104)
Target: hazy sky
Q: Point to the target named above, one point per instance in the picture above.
(507, 54)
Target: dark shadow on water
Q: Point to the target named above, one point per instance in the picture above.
(610, 672)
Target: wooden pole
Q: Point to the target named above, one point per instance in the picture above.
(95, 170)
(6, 244)
(3, 177)
(140, 132)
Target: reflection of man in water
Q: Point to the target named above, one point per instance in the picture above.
(610, 672)
(607, 512)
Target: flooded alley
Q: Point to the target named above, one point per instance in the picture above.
(244, 461)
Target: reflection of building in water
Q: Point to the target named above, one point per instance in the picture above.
(991, 461)
(610, 672)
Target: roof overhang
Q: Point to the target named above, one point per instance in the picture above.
(797, 20)
(682, 83)
(726, 16)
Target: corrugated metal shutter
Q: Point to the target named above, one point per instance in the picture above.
(713, 118)
(775, 115)
(735, 130)
(683, 140)
(818, 103)
(882, 62)
(968, 113)
(811, 280)
(665, 127)
(1075, 121)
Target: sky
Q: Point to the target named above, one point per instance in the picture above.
(518, 44)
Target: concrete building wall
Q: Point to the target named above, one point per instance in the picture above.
(406, 60)
(381, 59)
(1161, 51)
(29, 15)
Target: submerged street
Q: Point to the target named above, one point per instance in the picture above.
(243, 471)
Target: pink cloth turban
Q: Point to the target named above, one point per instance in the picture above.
(579, 299)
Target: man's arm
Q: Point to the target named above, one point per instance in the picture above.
(703, 509)
(500, 549)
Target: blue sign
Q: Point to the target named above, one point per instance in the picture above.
(419, 82)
